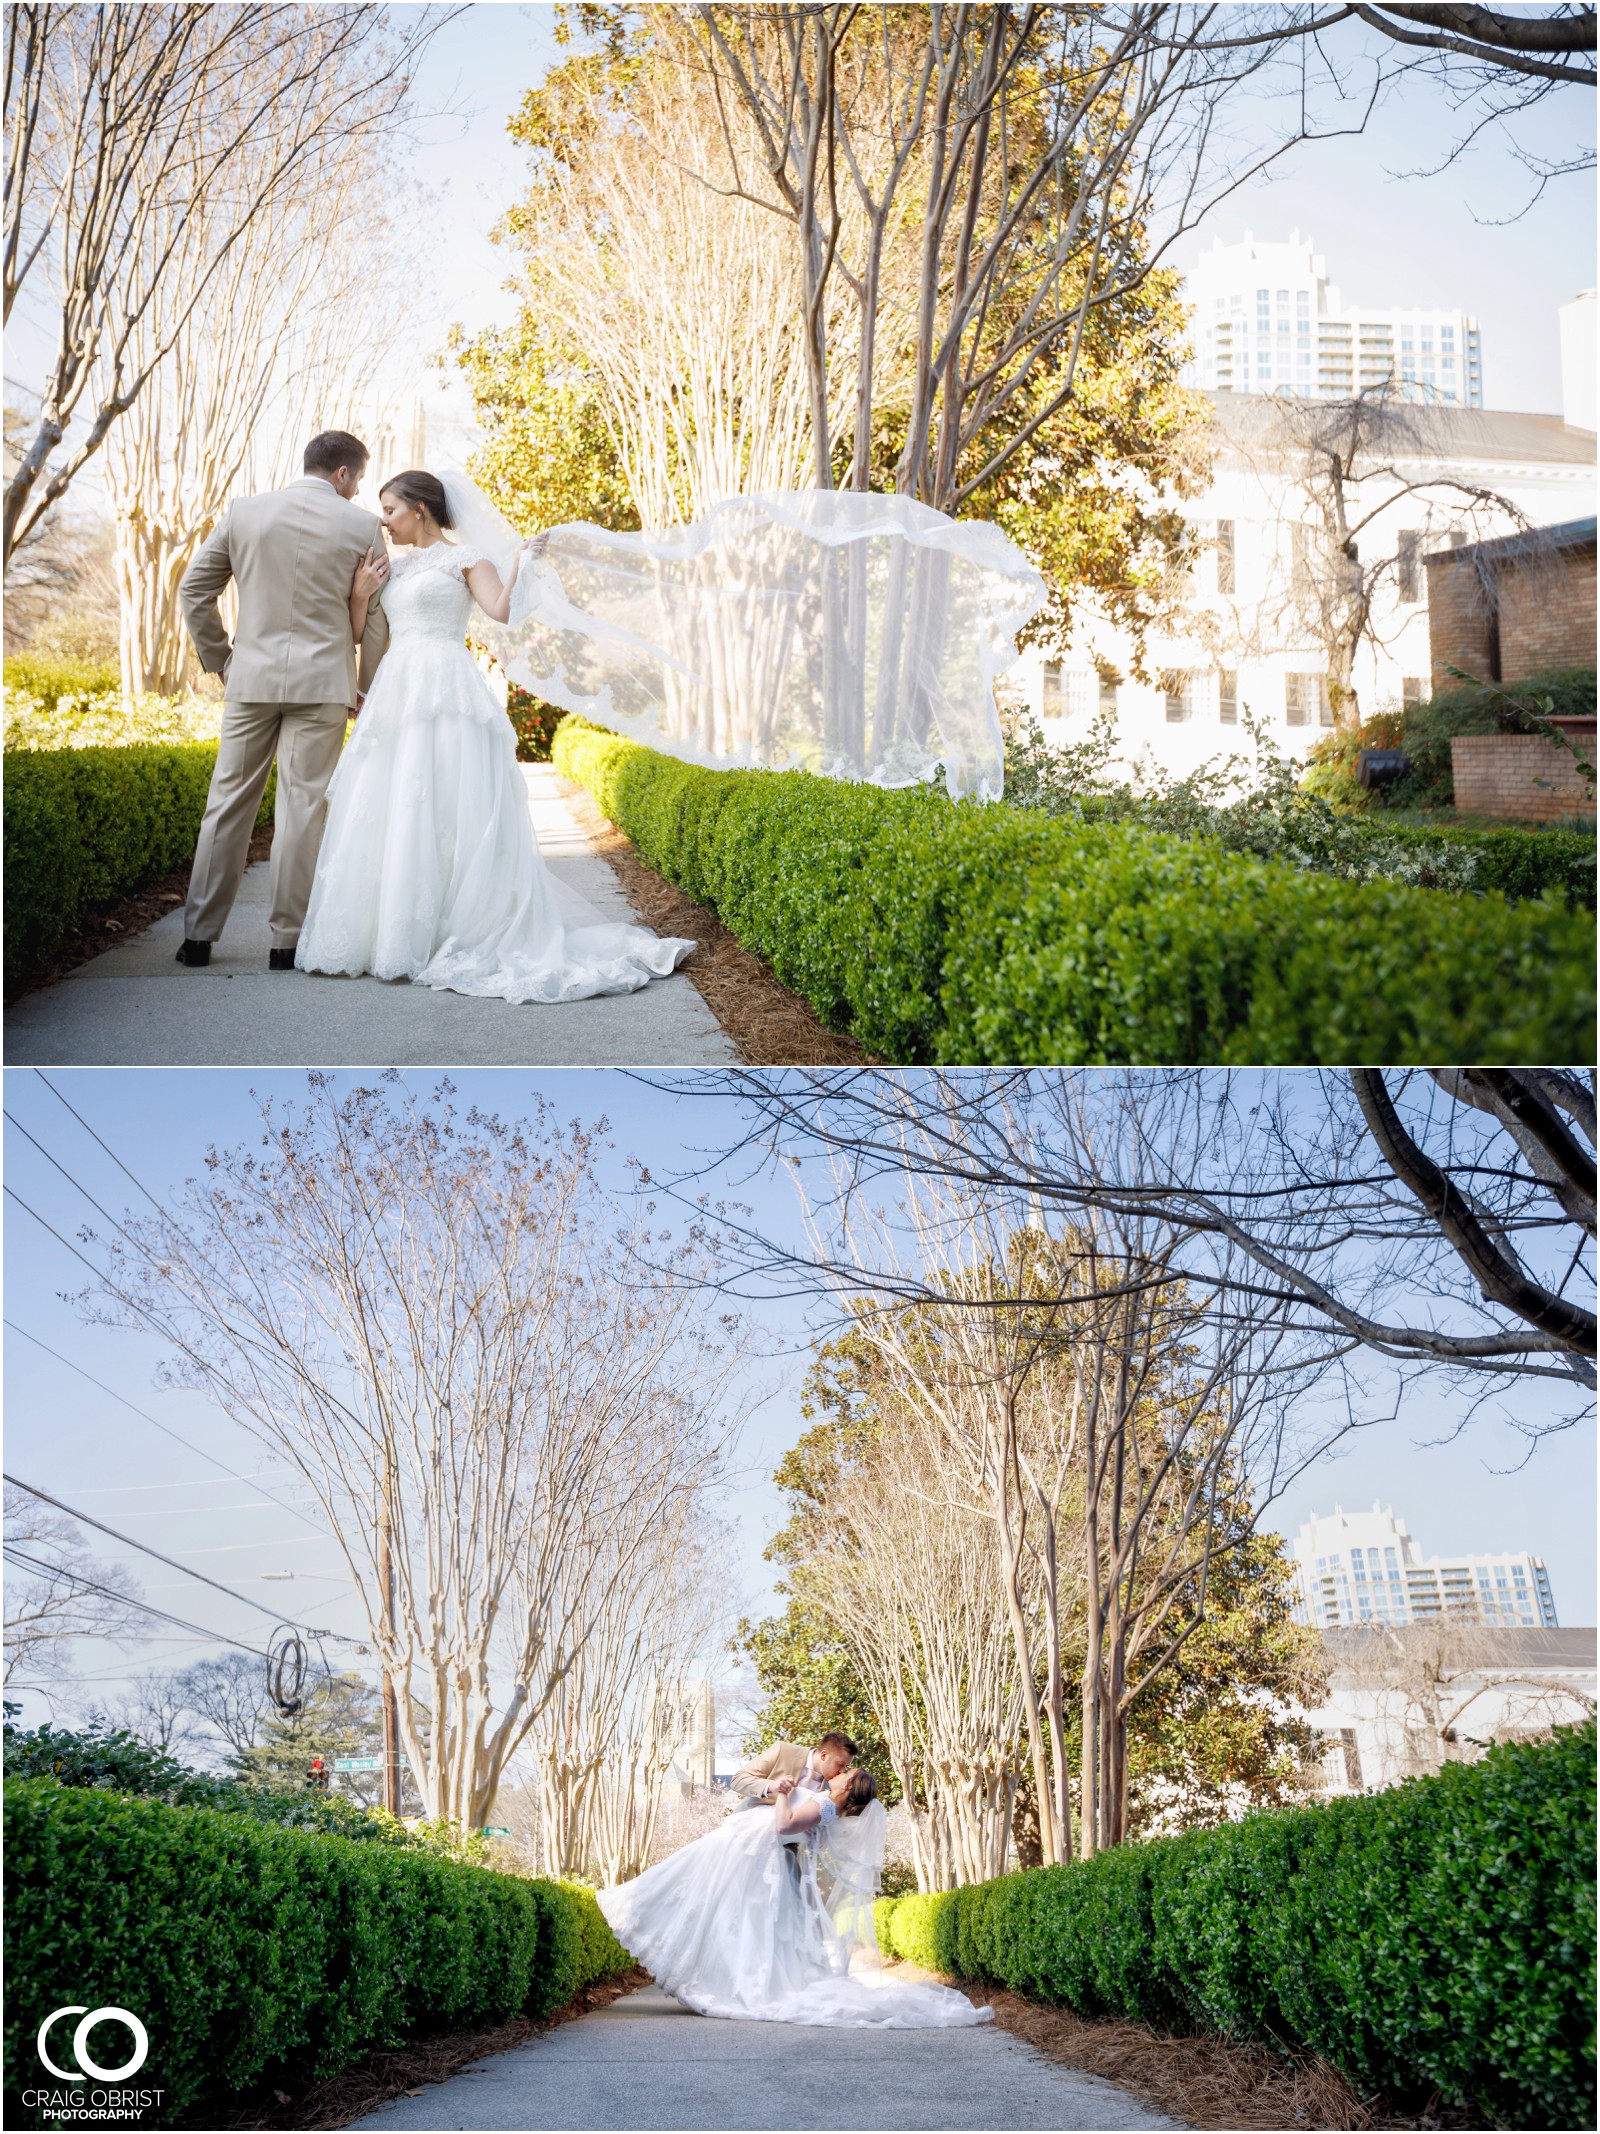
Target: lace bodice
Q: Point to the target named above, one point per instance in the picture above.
(427, 594)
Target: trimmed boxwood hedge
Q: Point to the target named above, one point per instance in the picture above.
(259, 1957)
(1518, 863)
(1439, 1935)
(84, 825)
(958, 933)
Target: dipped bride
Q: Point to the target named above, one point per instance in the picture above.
(769, 1917)
(429, 869)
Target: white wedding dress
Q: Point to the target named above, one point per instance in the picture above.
(429, 869)
(731, 1927)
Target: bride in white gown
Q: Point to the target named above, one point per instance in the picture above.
(429, 869)
(769, 1918)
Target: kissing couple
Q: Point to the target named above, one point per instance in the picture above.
(408, 853)
(769, 1917)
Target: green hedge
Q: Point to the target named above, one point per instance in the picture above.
(966, 934)
(260, 1958)
(1516, 863)
(1436, 1936)
(84, 825)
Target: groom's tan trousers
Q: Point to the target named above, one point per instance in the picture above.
(306, 739)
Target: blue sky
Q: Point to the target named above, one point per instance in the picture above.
(81, 1442)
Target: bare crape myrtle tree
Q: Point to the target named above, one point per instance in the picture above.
(1437, 1218)
(148, 145)
(1093, 1421)
(438, 1320)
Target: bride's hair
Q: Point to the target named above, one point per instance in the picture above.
(863, 1787)
(420, 489)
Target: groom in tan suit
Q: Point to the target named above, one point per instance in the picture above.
(290, 680)
(810, 1769)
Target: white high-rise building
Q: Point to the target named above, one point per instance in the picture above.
(1267, 320)
(1363, 1567)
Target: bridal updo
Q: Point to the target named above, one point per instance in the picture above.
(422, 491)
(861, 1789)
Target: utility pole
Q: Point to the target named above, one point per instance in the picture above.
(391, 1710)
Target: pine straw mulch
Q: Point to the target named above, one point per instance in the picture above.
(407, 2070)
(771, 1026)
(108, 925)
(1199, 2082)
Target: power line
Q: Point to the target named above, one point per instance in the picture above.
(13, 1120)
(55, 1233)
(91, 1585)
(93, 1136)
(172, 1562)
(177, 1436)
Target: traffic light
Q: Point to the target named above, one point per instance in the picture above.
(318, 1776)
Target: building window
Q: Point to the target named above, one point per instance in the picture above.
(1177, 690)
(1300, 558)
(1225, 556)
(1413, 690)
(1306, 704)
(1054, 704)
(1228, 697)
(1409, 558)
(1107, 694)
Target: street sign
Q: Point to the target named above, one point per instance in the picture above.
(358, 1763)
(496, 1830)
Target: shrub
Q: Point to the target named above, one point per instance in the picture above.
(258, 1957)
(959, 933)
(1436, 1936)
(534, 722)
(84, 825)
(117, 1761)
(47, 680)
(1426, 730)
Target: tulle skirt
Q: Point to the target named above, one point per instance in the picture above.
(429, 869)
(733, 1925)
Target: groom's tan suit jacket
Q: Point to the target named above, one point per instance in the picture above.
(785, 1759)
(290, 681)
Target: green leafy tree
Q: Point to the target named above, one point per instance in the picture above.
(345, 1718)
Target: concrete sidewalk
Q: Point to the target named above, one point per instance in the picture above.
(647, 2063)
(135, 1006)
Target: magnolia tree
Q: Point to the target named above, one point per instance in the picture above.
(438, 1320)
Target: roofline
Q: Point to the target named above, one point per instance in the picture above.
(1572, 533)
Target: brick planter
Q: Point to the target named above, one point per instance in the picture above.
(1520, 776)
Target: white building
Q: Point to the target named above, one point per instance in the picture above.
(1402, 1702)
(1267, 320)
(1245, 636)
(1363, 1567)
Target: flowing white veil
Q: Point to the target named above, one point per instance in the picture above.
(850, 1874)
(475, 522)
(828, 630)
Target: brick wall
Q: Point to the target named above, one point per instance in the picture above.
(1460, 620)
(1547, 616)
(1520, 776)
(1544, 613)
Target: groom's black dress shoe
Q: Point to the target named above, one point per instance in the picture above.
(195, 953)
(280, 959)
